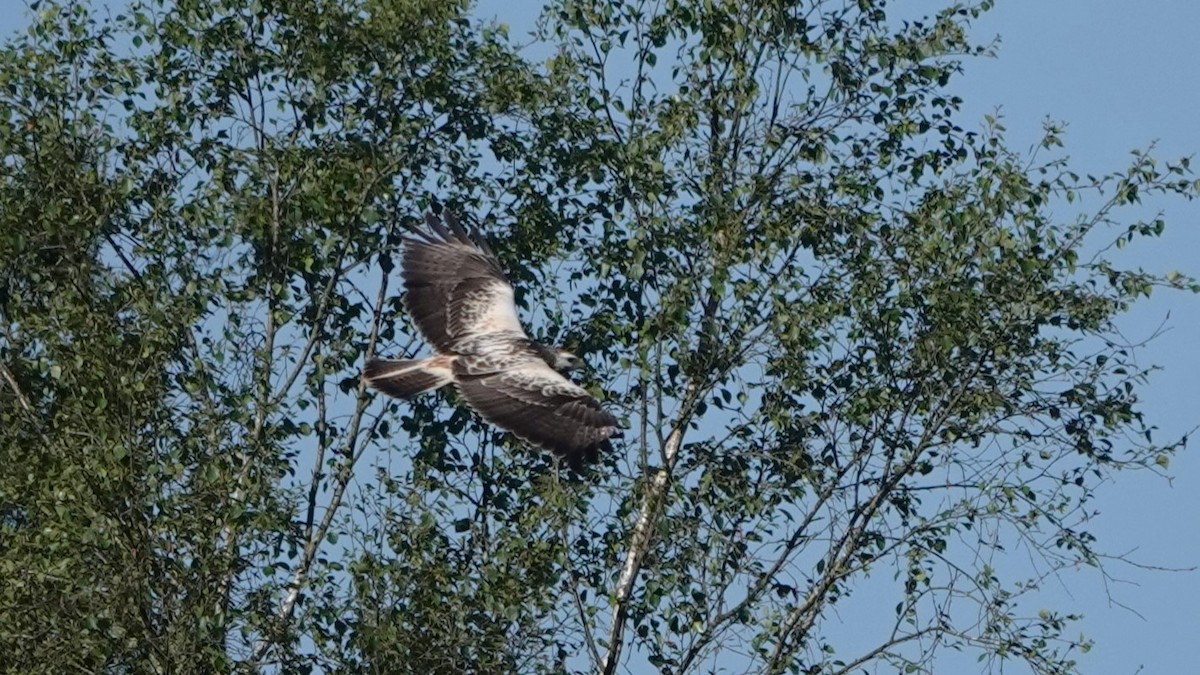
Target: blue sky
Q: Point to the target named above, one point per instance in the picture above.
(1121, 75)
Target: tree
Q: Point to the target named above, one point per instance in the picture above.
(850, 339)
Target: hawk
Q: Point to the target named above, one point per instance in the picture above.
(464, 307)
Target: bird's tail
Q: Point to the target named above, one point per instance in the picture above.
(408, 377)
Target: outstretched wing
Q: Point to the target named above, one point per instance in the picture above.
(455, 286)
(541, 407)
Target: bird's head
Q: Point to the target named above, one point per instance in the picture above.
(565, 361)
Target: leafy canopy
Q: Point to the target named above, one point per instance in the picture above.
(867, 364)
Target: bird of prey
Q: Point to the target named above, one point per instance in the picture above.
(464, 307)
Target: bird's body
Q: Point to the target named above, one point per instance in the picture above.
(464, 306)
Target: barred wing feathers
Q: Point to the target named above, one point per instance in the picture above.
(539, 406)
(455, 287)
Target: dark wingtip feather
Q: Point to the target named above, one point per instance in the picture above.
(447, 228)
(581, 460)
(456, 227)
(434, 223)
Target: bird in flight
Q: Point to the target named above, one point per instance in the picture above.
(464, 307)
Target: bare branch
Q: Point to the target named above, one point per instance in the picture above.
(638, 546)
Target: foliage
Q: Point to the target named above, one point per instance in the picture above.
(848, 336)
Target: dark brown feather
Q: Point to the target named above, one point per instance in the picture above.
(461, 302)
(574, 427)
(441, 274)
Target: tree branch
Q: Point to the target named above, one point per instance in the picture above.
(353, 451)
(639, 545)
(12, 382)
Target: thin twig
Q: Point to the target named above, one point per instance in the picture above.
(589, 639)
(341, 482)
(12, 382)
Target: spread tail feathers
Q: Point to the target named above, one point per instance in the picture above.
(408, 377)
